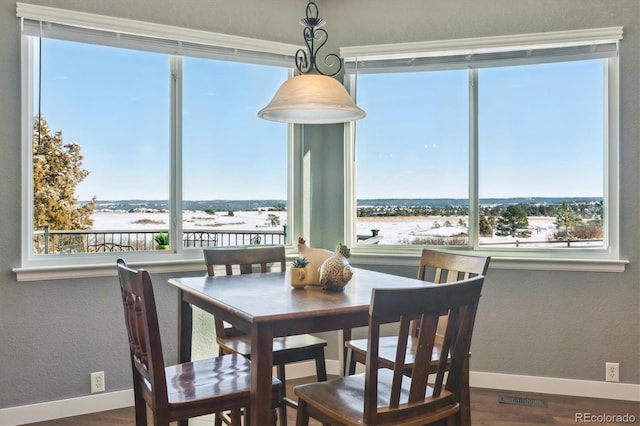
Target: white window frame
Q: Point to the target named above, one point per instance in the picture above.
(176, 42)
(459, 52)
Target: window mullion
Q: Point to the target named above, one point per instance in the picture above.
(175, 157)
(474, 203)
(350, 200)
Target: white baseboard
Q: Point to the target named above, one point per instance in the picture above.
(113, 400)
(120, 399)
(65, 408)
(555, 386)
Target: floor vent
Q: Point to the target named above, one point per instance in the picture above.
(517, 400)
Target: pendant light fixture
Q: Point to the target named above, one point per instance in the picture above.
(313, 97)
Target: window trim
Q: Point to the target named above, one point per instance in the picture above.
(587, 259)
(479, 45)
(214, 45)
(162, 35)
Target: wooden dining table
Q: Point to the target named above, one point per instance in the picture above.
(264, 305)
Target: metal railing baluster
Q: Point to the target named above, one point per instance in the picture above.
(93, 241)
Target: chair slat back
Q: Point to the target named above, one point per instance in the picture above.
(141, 320)
(446, 267)
(440, 267)
(245, 258)
(416, 398)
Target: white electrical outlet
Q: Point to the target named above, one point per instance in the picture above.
(612, 372)
(97, 382)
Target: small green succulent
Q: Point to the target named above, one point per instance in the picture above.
(299, 262)
(162, 239)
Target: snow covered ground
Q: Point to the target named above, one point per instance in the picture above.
(246, 221)
(391, 230)
(405, 229)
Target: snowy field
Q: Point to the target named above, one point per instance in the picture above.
(400, 229)
(242, 221)
(392, 230)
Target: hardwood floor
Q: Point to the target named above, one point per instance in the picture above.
(486, 410)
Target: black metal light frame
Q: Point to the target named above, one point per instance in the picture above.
(313, 33)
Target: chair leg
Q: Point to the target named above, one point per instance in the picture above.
(321, 367)
(302, 416)
(351, 363)
(283, 406)
(247, 417)
(346, 336)
(465, 397)
(141, 411)
(217, 421)
(236, 417)
(274, 415)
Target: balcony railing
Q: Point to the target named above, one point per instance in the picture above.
(98, 241)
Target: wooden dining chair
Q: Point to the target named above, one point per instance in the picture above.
(435, 267)
(382, 396)
(287, 349)
(178, 392)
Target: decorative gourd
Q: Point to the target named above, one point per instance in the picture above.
(315, 256)
(336, 272)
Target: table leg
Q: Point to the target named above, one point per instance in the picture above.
(261, 372)
(346, 336)
(185, 329)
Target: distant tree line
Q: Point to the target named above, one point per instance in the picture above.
(584, 210)
(413, 211)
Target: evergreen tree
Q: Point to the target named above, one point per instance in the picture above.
(513, 222)
(566, 218)
(274, 220)
(486, 230)
(57, 171)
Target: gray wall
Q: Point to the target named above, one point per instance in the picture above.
(555, 324)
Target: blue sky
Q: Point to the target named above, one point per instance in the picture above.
(540, 132)
(114, 103)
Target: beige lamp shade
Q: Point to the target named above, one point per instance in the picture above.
(311, 99)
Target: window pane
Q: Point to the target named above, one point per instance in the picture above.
(541, 143)
(234, 164)
(413, 158)
(112, 103)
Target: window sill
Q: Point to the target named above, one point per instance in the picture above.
(502, 262)
(50, 272)
(46, 273)
(104, 265)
